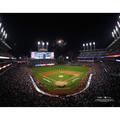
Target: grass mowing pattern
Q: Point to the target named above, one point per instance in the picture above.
(49, 81)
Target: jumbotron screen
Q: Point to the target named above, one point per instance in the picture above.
(42, 55)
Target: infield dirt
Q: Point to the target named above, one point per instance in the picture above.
(62, 71)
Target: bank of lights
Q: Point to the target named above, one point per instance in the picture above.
(116, 31)
(89, 46)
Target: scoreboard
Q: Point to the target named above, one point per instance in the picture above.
(42, 55)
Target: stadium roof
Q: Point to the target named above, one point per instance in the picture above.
(114, 46)
(4, 46)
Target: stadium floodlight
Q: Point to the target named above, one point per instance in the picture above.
(6, 36)
(83, 45)
(93, 43)
(114, 31)
(0, 24)
(38, 42)
(87, 45)
(67, 57)
(90, 44)
(43, 43)
(116, 28)
(113, 35)
(4, 33)
(118, 24)
(2, 29)
(59, 41)
(47, 43)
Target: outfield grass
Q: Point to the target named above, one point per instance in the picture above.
(49, 81)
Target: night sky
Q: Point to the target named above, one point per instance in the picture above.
(24, 30)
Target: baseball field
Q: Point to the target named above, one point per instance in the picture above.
(61, 79)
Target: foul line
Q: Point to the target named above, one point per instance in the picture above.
(46, 80)
(88, 84)
(39, 90)
(45, 93)
(46, 77)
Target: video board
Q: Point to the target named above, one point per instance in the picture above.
(42, 55)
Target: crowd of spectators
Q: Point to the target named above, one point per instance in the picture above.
(16, 89)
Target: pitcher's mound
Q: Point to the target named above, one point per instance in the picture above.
(60, 76)
(61, 83)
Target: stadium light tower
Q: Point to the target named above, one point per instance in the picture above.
(94, 45)
(87, 45)
(38, 42)
(2, 29)
(4, 33)
(119, 17)
(83, 46)
(113, 35)
(114, 31)
(67, 57)
(90, 45)
(59, 41)
(117, 30)
(47, 44)
(43, 44)
(118, 24)
(0, 24)
(6, 36)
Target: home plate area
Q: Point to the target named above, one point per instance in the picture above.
(61, 80)
(61, 83)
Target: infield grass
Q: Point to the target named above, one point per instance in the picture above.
(49, 80)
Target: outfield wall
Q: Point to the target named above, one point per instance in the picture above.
(38, 62)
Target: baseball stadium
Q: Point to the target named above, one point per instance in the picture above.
(61, 79)
(56, 62)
